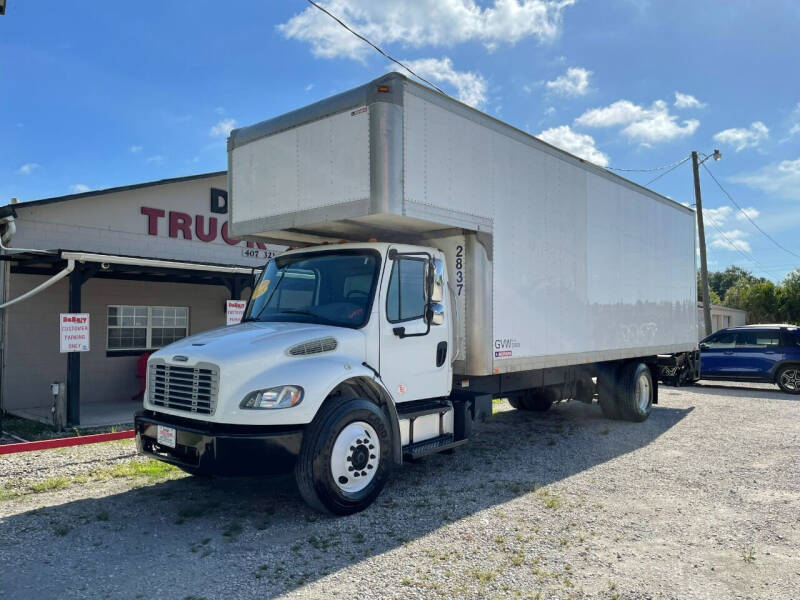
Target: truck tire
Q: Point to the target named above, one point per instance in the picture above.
(788, 379)
(538, 400)
(607, 393)
(584, 390)
(516, 401)
(635, 391)
(345, 458)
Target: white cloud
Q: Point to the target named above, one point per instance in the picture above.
(220, 110)
(575, 82)
(731, 240)
(579, 144)
(722, 214)
(223, 127)
(309, 87)
(687, 101)
(717, 216)
(781, 179)
(749, 212)
(136, 149)
(423, 23)
(155, 159)
(795, 120)
(744, 138)
(470, 87)
(28, 168)
(644, 125)
(79, 188)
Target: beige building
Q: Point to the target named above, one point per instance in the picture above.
(152, 263)
(722, 317)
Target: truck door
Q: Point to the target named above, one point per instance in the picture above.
(414, 357)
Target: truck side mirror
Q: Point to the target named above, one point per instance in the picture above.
(435, 314)
(436, 281)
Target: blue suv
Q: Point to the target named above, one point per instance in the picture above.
(763, 353)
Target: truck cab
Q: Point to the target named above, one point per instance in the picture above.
(342, 363)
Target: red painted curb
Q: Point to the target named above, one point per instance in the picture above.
(64, 442)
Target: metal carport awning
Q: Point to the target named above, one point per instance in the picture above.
(112, 266)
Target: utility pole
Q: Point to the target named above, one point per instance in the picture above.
(701, 233)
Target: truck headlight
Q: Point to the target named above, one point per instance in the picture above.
(284, 396)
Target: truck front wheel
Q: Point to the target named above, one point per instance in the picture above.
(345, 458)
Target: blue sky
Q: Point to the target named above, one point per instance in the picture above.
(98, 94)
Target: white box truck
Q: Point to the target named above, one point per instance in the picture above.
(439, 258)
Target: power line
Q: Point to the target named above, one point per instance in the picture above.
(741, 210)
(732, 244)
(362, 38)
(675, 166)
(661, 168)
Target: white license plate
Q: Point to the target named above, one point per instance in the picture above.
(166, 436)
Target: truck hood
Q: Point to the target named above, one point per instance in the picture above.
(254, 341)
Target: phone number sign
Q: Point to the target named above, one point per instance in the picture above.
(74, 330)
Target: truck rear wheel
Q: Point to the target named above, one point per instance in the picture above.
(537, 400)
(345, 458)
(607, 393)
(635, 391)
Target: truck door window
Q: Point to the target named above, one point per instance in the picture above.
(405, 300)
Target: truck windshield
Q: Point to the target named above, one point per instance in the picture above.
(330, 288)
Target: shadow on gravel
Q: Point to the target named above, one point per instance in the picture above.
(214, 538)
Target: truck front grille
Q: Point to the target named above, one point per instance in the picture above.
(184, 388)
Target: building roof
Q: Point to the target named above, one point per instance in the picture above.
(122, 188)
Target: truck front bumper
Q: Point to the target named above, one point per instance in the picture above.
(217, 449)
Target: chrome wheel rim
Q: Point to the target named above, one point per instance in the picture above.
(355, 456)
(790, 379)
(643, 393)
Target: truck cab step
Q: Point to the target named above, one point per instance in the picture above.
(437, 444)
(420, 408)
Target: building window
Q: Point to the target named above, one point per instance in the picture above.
(145, 327)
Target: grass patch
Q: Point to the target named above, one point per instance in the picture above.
(7, 494)
(50, 485)
(62, 530)
(484, 577)
(749, 555)
(102, 516)
(233, 530)
(189, 512)
(550, 500)
(153, 470)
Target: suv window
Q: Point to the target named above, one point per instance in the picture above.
(757, 339)
(405, 299)
(724, 339)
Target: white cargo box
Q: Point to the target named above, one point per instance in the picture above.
(562, 262)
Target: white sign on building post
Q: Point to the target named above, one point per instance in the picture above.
(234, 309)
(74, 328)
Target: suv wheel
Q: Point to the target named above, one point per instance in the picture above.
(789, 379)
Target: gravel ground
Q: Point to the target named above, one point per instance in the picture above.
(700, 501)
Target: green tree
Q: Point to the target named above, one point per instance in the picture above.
(715, 299)
(760, 300)
(790, 298)
(721, 281)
